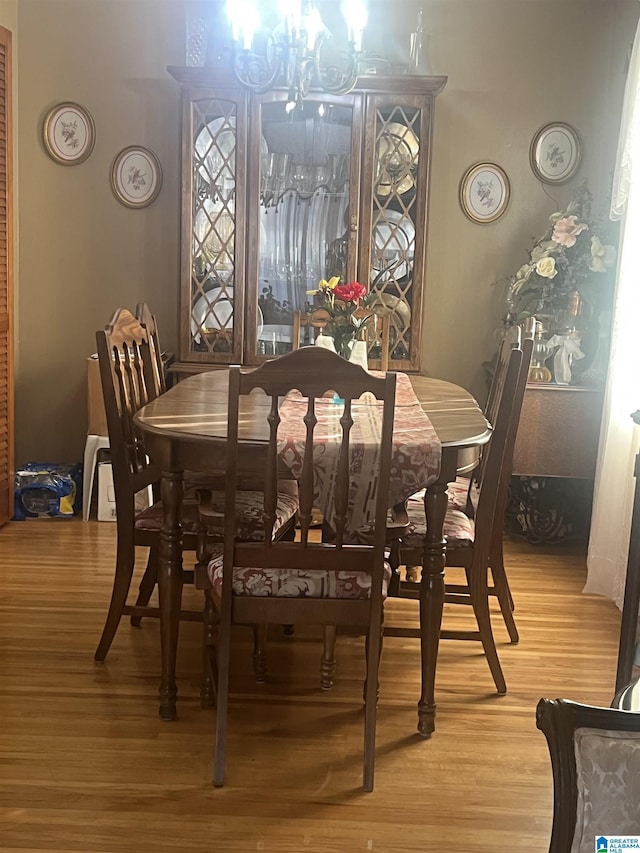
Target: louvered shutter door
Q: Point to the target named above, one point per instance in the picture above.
(6, 281)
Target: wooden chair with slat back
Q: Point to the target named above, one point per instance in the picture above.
(463, 493)
(154, 369)
(303, 581)
(376, 332)
(122, 352)
(469, 541)
(595, 760)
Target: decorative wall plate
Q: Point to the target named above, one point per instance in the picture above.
(394, 239)
(136, 176)
(69, 133)
(484, 192)
(396, 155)
(555, 153)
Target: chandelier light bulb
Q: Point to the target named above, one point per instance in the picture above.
(355, 15)
(292, 51)
(245, 20)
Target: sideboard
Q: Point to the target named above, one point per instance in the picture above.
(554, 463)
(559, 431)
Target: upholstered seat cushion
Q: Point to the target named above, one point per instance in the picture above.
(608, 782)
(249, 511)
(458, 493)
(459, 529)
(295, 583)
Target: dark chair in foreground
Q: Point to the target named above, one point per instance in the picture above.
(469, 540)
(595, 759)
(301, 582)
(121, 352)
(629, 646)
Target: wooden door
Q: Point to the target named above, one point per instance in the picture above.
(6, 282)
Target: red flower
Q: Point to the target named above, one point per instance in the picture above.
(350, 292)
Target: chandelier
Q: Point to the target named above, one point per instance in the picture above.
(292, 47)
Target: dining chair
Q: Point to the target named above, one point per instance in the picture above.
(469, 539)
(595, 761)
(122, 351)
(376, 331)
(463, 493)
(153, 364)
(303, 581)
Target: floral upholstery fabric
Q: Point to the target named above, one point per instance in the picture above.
(249, 509)
(459, 529)
(458, 493)
(608, 777)
(461, 492)
(296, 583)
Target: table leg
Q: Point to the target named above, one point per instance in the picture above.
(170, 588)
(431, 602)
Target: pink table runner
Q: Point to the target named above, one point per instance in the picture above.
(416, 451)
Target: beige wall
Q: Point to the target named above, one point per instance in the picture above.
(513, 66)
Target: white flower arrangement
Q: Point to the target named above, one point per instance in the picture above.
(568, 258)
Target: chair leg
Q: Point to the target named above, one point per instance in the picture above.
(480, 603)
(374, 650)
(328, 662)
(147, 584)
(209, 663)
(413, 574)
(125, 559)
(260, 652)
(394, 561)
(224, 652)
(367, 648)
(503, 593)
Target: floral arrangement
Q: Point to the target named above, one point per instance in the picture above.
(570, 258)
(335, 306)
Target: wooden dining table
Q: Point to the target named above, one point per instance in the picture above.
(185, 429)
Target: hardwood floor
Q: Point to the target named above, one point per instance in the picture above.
(86, 764)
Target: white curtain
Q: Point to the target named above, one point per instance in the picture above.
(614, 483)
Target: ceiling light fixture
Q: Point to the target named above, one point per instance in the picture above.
(292, 47)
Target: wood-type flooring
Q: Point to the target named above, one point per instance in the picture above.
(86, 765)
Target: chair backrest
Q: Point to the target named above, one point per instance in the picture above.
(521, 339)
(153, 366)
(516, 411)
(595, 759)
(376, 331)
(121, 352)
(492, 463)
(311, 371)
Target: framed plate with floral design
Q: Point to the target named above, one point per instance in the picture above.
(484, 192)
(69, 133)
(555, 153)
(136, 176)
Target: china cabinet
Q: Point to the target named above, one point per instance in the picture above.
(275, 199)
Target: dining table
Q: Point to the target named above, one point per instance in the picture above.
(185, 429)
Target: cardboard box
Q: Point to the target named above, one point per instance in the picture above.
(96, 415)
(107, 495)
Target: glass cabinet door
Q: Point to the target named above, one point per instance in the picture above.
(303, 205)
(213, 246)
(394, 214)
